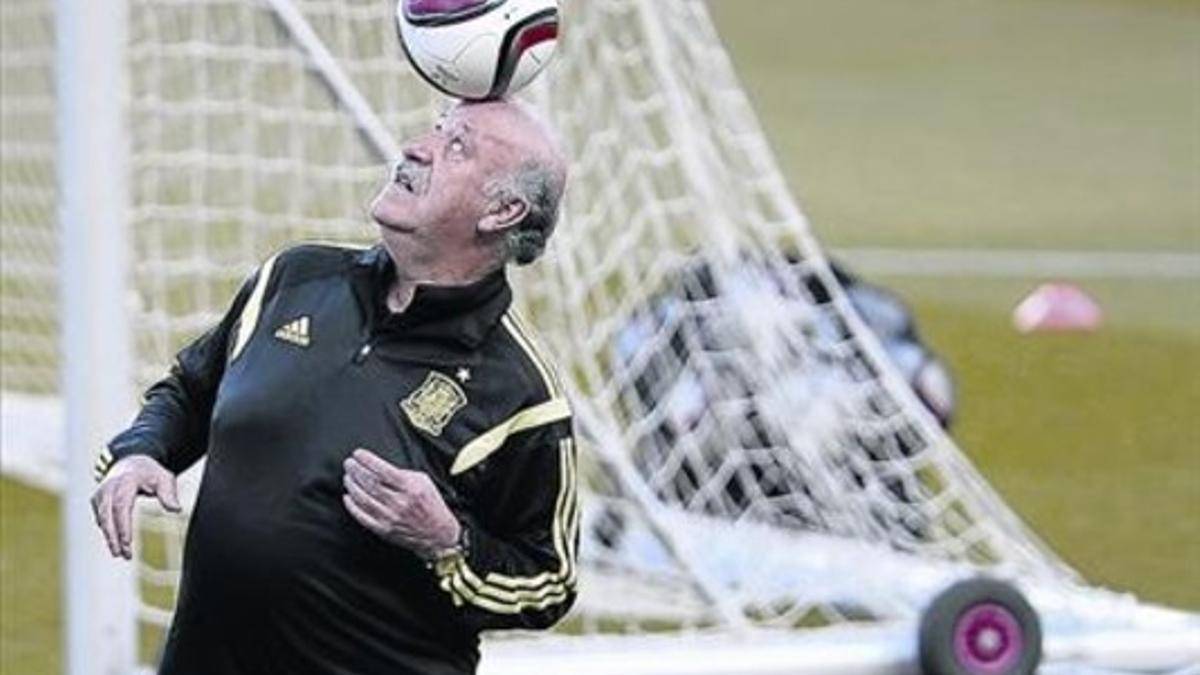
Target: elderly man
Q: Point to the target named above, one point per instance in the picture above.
(390, 463)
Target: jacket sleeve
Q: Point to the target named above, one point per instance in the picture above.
(173, 423)
(519, 570)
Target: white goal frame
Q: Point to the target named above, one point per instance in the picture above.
(99, 593)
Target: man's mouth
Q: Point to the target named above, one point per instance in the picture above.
(393, 228)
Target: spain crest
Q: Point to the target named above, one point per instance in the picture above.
(433, 403)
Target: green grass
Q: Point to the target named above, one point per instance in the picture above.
(1091, 438)
(1045, 123)
(30, 616)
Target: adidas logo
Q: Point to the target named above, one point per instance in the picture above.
(295, 332)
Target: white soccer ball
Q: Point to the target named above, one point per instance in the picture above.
(478, 49)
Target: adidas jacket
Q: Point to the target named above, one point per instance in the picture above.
(306, 366)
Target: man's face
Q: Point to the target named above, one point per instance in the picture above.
(436, 195)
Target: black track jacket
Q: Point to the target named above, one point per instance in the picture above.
(307, 366)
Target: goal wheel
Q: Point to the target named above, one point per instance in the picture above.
(980, 626)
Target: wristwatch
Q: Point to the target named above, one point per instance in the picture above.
(444, 561)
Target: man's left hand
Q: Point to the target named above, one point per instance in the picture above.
(402, 507)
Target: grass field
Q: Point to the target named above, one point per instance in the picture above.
(1034, 124)
(1092, 439)
(1030, 123)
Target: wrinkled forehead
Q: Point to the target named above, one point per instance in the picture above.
(497, 123)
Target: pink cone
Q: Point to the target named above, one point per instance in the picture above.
(1059, 308)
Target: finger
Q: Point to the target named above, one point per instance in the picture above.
(377, 486)
(389, 473)
(122, 508)
(374, 507)
(366, 479)
(362, 516)
(103, 508)
(167, 492)
(95, 502)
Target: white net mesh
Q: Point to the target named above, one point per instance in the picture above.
(238, 148)
(29, 251)
(748, 448)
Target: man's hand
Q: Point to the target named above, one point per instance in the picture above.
(112, 502)
(402, 507)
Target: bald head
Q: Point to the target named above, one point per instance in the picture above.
(516, 125)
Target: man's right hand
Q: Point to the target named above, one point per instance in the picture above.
(112, 503)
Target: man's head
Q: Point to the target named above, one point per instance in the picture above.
(478, 190)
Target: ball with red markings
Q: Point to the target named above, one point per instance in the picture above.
(478, 49)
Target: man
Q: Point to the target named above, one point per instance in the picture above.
(390, 463)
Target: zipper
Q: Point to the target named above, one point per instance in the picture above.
(360, 356)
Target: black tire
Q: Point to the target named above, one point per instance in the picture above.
(980, 626)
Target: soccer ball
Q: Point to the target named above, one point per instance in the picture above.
(478, 49)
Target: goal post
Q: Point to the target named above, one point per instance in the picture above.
(758, 478)
(99, 593)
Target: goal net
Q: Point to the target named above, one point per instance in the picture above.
(751, 460)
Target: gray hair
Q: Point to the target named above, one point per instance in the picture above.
(542, 189)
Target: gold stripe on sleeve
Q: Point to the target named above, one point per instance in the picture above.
(531, 337)
(536, 354)
(511, 595)
(566, 517)
(104, 462)
(490, 441)
(249, 318)
(468, 594)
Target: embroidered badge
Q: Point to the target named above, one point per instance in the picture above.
(433, 403)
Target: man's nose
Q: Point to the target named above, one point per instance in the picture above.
(418, 151)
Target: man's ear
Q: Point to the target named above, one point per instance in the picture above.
(503, 213)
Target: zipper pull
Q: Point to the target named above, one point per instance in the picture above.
(363, 352)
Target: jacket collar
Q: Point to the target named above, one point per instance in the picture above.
(462, 313)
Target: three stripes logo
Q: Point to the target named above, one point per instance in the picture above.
(296, 332)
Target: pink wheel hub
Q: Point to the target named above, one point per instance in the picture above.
(988, 639)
